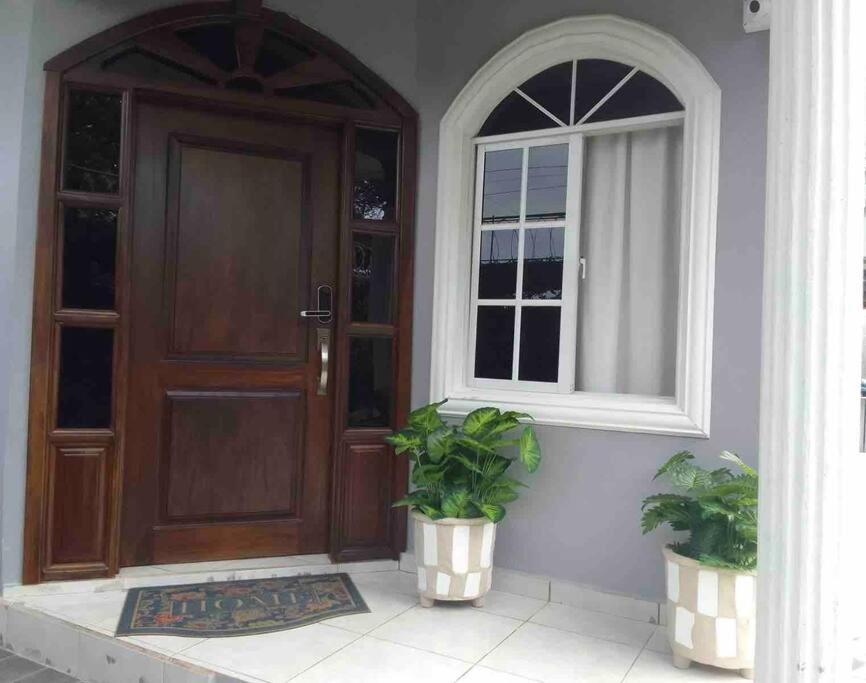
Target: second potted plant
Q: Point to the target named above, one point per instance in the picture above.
(711, 575)
(461, 489)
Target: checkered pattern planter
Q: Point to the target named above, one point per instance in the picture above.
(710, 614)
(454, 558)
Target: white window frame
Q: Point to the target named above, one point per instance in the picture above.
(687, 413)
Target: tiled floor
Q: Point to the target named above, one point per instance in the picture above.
(512, 639)
(14, 669)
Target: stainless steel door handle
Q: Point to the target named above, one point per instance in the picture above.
(323, 335)
(324, 301)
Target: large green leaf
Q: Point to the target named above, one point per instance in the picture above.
(439, 443)
(404, 441)
(426, 419)
(673, 462)
(456, 503)
(481, 420)
(734, 458)
(494, 513)
(530, 451)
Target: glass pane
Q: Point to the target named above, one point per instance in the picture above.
(89, 251)
(375, 195)
(372, 278)
(497, 270)
(278, 53)
(214, 41)
(595, 79)
(539, 344)
(84, 387)
(543, 251)
(502, 177)
(92, 160)
(641, 96)
(144, 65)
(370, 380)
(513, 115)
(546, 183)
(494, 342)
(552, 90)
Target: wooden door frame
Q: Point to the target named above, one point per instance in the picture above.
(390, 111)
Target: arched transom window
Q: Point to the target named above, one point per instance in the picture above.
(585, 252)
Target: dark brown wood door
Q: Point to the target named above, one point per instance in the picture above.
(228, 442)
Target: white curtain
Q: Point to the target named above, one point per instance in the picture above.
(627, 310)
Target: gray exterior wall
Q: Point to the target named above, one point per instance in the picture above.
(579, 521)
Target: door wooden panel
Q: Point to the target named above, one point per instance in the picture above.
(221, 305)
(77, 505)
(366, 471)
(209, 437)
(228, 443)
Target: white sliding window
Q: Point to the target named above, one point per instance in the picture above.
(575, 245)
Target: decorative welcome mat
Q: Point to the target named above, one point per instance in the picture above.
(238, 608)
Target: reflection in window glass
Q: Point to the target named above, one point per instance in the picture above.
(502, 178)
(370, 381)
(546, 183)
(640, 96)
(497, 273)
(375, 195)
(552, 90)
(494, 342)
(539, 344)
(372, 278)
(543, 252)
(514, 114)
(84, 387)
(92, 159)
(89, 248)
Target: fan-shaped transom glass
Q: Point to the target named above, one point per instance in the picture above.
(580, 91)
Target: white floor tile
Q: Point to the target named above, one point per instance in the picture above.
(511, 605)
(163, 644)
(105, 659)
(273, 657)
(369, 660)
(587, 598)
(481, 674)
(398, 581)
(384, 605)
(595, 624)
(130, 572)
(658, 641)
(466, 634)
(654, 667)
(550, 655)
(93, 609)
(252, 563)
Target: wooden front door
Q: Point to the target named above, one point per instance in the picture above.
(234, 230)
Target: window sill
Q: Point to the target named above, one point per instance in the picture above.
(609, 412)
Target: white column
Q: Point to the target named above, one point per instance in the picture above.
(811, 336)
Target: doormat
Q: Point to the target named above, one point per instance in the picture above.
(238, 608)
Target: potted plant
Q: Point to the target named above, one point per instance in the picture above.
(710, 575)
(461, 487)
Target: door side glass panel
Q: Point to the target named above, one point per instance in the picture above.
(376, 157)
(370, 381)
(372, 278)
(92, 156)
(85, 383)
(89, 252)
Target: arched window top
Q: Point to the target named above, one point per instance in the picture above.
(580, 91)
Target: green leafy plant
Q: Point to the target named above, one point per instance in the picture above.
(460, 471)
(719, 508)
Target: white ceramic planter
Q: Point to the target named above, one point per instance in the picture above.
(710, 615)
(454, 558)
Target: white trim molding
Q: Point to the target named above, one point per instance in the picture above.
(662, 57)
(812, 332)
